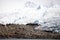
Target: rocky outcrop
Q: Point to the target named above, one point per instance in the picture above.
(25, 32)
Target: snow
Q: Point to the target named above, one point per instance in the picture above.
(30, 11)
(22, 12)
(51, 20)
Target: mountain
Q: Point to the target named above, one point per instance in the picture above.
(42, 12)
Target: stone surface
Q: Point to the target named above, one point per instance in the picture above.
(24, 32)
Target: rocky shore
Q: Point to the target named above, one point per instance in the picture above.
(25, 32)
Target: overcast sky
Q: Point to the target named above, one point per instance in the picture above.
(9, 5)
(26, 10)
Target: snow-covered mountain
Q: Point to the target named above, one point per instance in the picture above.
(51, 20)
(30, 11)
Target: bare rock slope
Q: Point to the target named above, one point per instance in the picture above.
(25, 32)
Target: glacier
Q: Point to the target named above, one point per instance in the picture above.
(44, 12)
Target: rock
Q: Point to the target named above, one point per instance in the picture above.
(25, 32)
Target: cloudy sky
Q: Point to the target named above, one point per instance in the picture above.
(9, 5)
(26, 9)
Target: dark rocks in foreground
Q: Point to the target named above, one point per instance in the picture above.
(25, 32)
(32, 24)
